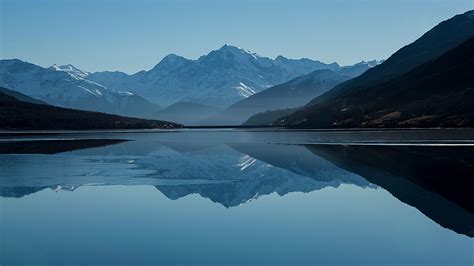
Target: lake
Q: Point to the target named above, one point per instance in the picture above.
(237, 197)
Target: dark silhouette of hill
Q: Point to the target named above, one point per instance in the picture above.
(16, 114)
(268, 117)
(20, 96)
(425, 84)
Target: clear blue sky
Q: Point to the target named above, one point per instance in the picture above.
(135, 35)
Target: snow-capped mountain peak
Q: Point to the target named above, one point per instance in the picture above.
(219, 78)
(235, 50)
(71, 70)
(229, 55)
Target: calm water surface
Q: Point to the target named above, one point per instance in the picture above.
(232, 197)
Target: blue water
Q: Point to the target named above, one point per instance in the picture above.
(231, 198)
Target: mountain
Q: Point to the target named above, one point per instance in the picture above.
(220, 78)
(186, 113)
(66, 86)
(423, 84)
(291, 94)
(438, 93)
(16, 114)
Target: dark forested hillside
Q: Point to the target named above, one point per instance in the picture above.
(20, 96)
(266, 118)
(438, 93)
(440, 39)
(16, 114)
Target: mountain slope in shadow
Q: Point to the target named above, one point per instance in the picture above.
(16, 114)
(425, 84)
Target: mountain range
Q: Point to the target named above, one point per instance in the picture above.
(220, 78)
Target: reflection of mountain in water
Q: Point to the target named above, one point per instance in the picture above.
(230, 176)
(437, 181)
(256, 170)
(299, 160)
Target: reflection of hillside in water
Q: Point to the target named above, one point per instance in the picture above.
(437, 180)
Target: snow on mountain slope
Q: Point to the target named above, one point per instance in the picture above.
(220, 78)
(65, 86)
(71, 70)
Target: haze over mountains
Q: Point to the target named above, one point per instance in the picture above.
(187, 113)
(293, 93)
